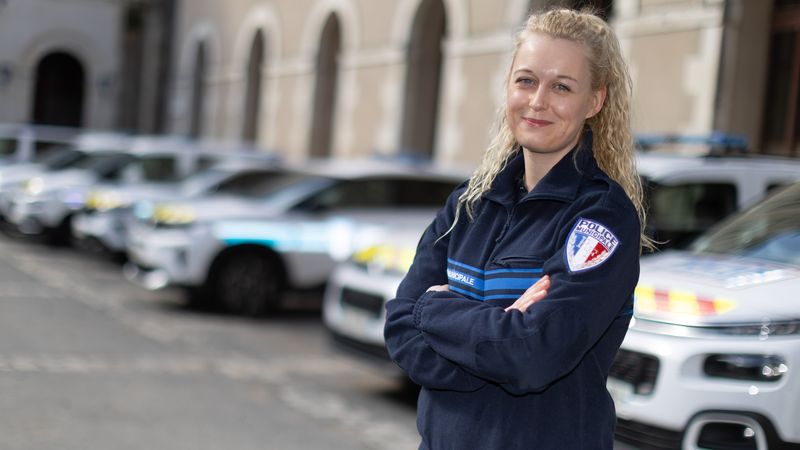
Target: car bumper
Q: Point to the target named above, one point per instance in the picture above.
(683, 398)
(354, 303)
(33, 216)
(106, 227)
(170, 256)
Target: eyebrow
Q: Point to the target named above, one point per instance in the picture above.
(559, 76)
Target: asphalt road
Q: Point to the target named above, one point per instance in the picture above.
(89, 361)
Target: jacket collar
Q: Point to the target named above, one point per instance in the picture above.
(560, 183)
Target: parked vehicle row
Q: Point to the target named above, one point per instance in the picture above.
(708, 359)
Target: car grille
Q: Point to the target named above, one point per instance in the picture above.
(646, 437)
(373, 304)
(638, 369)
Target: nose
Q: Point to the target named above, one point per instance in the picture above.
(538, 99)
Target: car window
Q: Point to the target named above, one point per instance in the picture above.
(7, 147)
(160, 168)
(107, 165)
(163, 168)
(260, 183)
(769, 230)
(351, 194)
(382, 193)
(679, 213)
(62, 157)
(423, 193)
(43, 149)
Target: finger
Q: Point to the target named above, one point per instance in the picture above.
(533, 294)
(541, 283)
(532, 299)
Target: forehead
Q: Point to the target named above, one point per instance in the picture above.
(539, 52)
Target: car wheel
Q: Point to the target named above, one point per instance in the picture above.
(248, 282)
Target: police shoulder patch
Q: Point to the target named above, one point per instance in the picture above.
(589, 245)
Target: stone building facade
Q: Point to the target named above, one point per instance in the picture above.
(359, 77)
(355, 77)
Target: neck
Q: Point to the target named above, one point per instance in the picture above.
(537, 165)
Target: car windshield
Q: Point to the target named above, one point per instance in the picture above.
(769, 230)
(201, 181)
(61, 158)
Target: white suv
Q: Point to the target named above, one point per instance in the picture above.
(710, 358)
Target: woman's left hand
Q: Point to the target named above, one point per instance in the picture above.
(532, 295)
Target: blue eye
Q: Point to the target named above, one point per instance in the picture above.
(525, 81)
(563, 87)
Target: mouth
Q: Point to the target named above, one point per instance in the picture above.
(536, 122)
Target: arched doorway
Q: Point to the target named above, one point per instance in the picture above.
(252, 96)
(424, 67)
(325, 88)
(59, 90)
(198, 91)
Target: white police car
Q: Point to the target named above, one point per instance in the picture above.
(241, 252)
(710, 359)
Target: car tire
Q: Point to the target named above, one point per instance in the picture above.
(247, 281)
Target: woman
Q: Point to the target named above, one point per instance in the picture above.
(522, 288)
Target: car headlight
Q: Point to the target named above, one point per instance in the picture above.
(745, 367)
(104, 200)
(173, 215)
(384, 258)
(34, 186)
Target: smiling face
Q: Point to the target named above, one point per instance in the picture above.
(550, 94)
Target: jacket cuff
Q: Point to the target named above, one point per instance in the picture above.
(418, 305)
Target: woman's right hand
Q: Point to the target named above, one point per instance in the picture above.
(533, 294)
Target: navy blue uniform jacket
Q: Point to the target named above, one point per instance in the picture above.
(509, 380)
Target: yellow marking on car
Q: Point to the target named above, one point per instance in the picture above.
(649, 299)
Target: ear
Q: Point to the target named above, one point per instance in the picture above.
(597, 101)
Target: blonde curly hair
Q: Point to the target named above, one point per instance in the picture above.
(611, 128)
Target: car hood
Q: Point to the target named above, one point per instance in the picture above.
(135, 192)
(18, 173)
(216, 207)
(706, 290)
(62, 179)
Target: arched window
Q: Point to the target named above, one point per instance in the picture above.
(252, 96)
(198, 91)
(325, 88)
(133, 48)
(781, 132)
(59, 90)
(424, 67)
